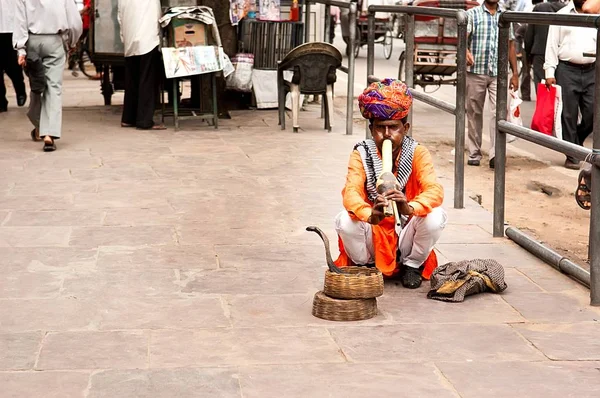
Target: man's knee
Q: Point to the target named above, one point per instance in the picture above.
(344, 224)
(434, 222)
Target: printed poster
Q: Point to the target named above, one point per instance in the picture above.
(238, 9)
(189, 61)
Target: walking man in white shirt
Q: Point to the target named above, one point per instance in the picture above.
(8, 57)
(566, 66)
(140, 32)
(39, 30)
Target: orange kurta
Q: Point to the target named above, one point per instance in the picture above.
(423, 193)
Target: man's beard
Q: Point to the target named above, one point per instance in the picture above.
(492, 2)
(579, 3)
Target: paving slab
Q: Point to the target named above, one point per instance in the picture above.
(37, 202)
(19, 351)
(25, 315)
(344, 381)
(91, 237)
(116, 313)
(564, 342)
(158, 257)
(165, 383)
(34, 236)
(44, 384)
(552, 307)
(527, 379)
(94, 350)
(506, 253)
(433, 342)
(243, 346)
(257, 281)
(58, 218)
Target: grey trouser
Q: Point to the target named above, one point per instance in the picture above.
(45, 110)
(577, 83)
(477, 86)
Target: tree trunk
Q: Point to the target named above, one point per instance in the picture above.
(228, 35)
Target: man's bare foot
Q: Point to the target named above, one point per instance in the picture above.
(35, 135)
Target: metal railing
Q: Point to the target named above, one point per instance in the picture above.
(352, 6)
(457, 110)
(578, 152)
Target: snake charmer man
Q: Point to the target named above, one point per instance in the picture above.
(366, 236)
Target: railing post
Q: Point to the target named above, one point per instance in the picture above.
(459, 118)
(351, 43)
(409, 39)
(501, 103)
(307, 22)
(595, 211)
(327, 24)
(370, 58)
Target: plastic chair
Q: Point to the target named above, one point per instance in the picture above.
(314, 67)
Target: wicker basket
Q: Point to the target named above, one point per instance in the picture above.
(354, 283)
(332, 309)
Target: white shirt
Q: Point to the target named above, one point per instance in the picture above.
(7, 14)
(568, 43)
(45, 17)
(140, 30)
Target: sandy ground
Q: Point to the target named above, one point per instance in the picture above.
(538, 201)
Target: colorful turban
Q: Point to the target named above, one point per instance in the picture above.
(387, 100)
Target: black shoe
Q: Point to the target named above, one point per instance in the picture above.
(411, 278)
(492, 163)
(3, 109)
(21, 99)
(473, 162)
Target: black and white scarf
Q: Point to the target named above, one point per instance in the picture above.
(373, 164)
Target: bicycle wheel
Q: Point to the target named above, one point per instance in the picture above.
(401, 72)
(85, 65)
(388, 43)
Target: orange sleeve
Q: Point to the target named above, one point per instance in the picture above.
(354, 193)
(431, 191)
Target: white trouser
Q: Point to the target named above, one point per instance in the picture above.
(416, 240)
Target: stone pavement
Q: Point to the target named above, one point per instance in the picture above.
(164, 264)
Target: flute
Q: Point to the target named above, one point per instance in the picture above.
(387, 180)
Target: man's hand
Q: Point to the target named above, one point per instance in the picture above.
(514, 82)
(470, 59)
(22, 61)
(401, 201)
(377, 215)
(550, 81)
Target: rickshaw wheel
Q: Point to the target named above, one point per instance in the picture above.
(388, 43)
(401, 72)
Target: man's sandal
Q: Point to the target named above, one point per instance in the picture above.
(583, 195)
(49, 146)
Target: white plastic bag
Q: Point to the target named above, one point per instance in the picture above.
(557, 130)
(514, 112)
(241, 78)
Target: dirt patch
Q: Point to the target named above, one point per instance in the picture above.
(538, 201)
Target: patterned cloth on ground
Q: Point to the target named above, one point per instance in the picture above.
(454, 281)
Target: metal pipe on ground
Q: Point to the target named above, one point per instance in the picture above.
(549, 256)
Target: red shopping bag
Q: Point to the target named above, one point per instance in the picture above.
(543, 117)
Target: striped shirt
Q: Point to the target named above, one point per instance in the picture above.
(483, 40)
